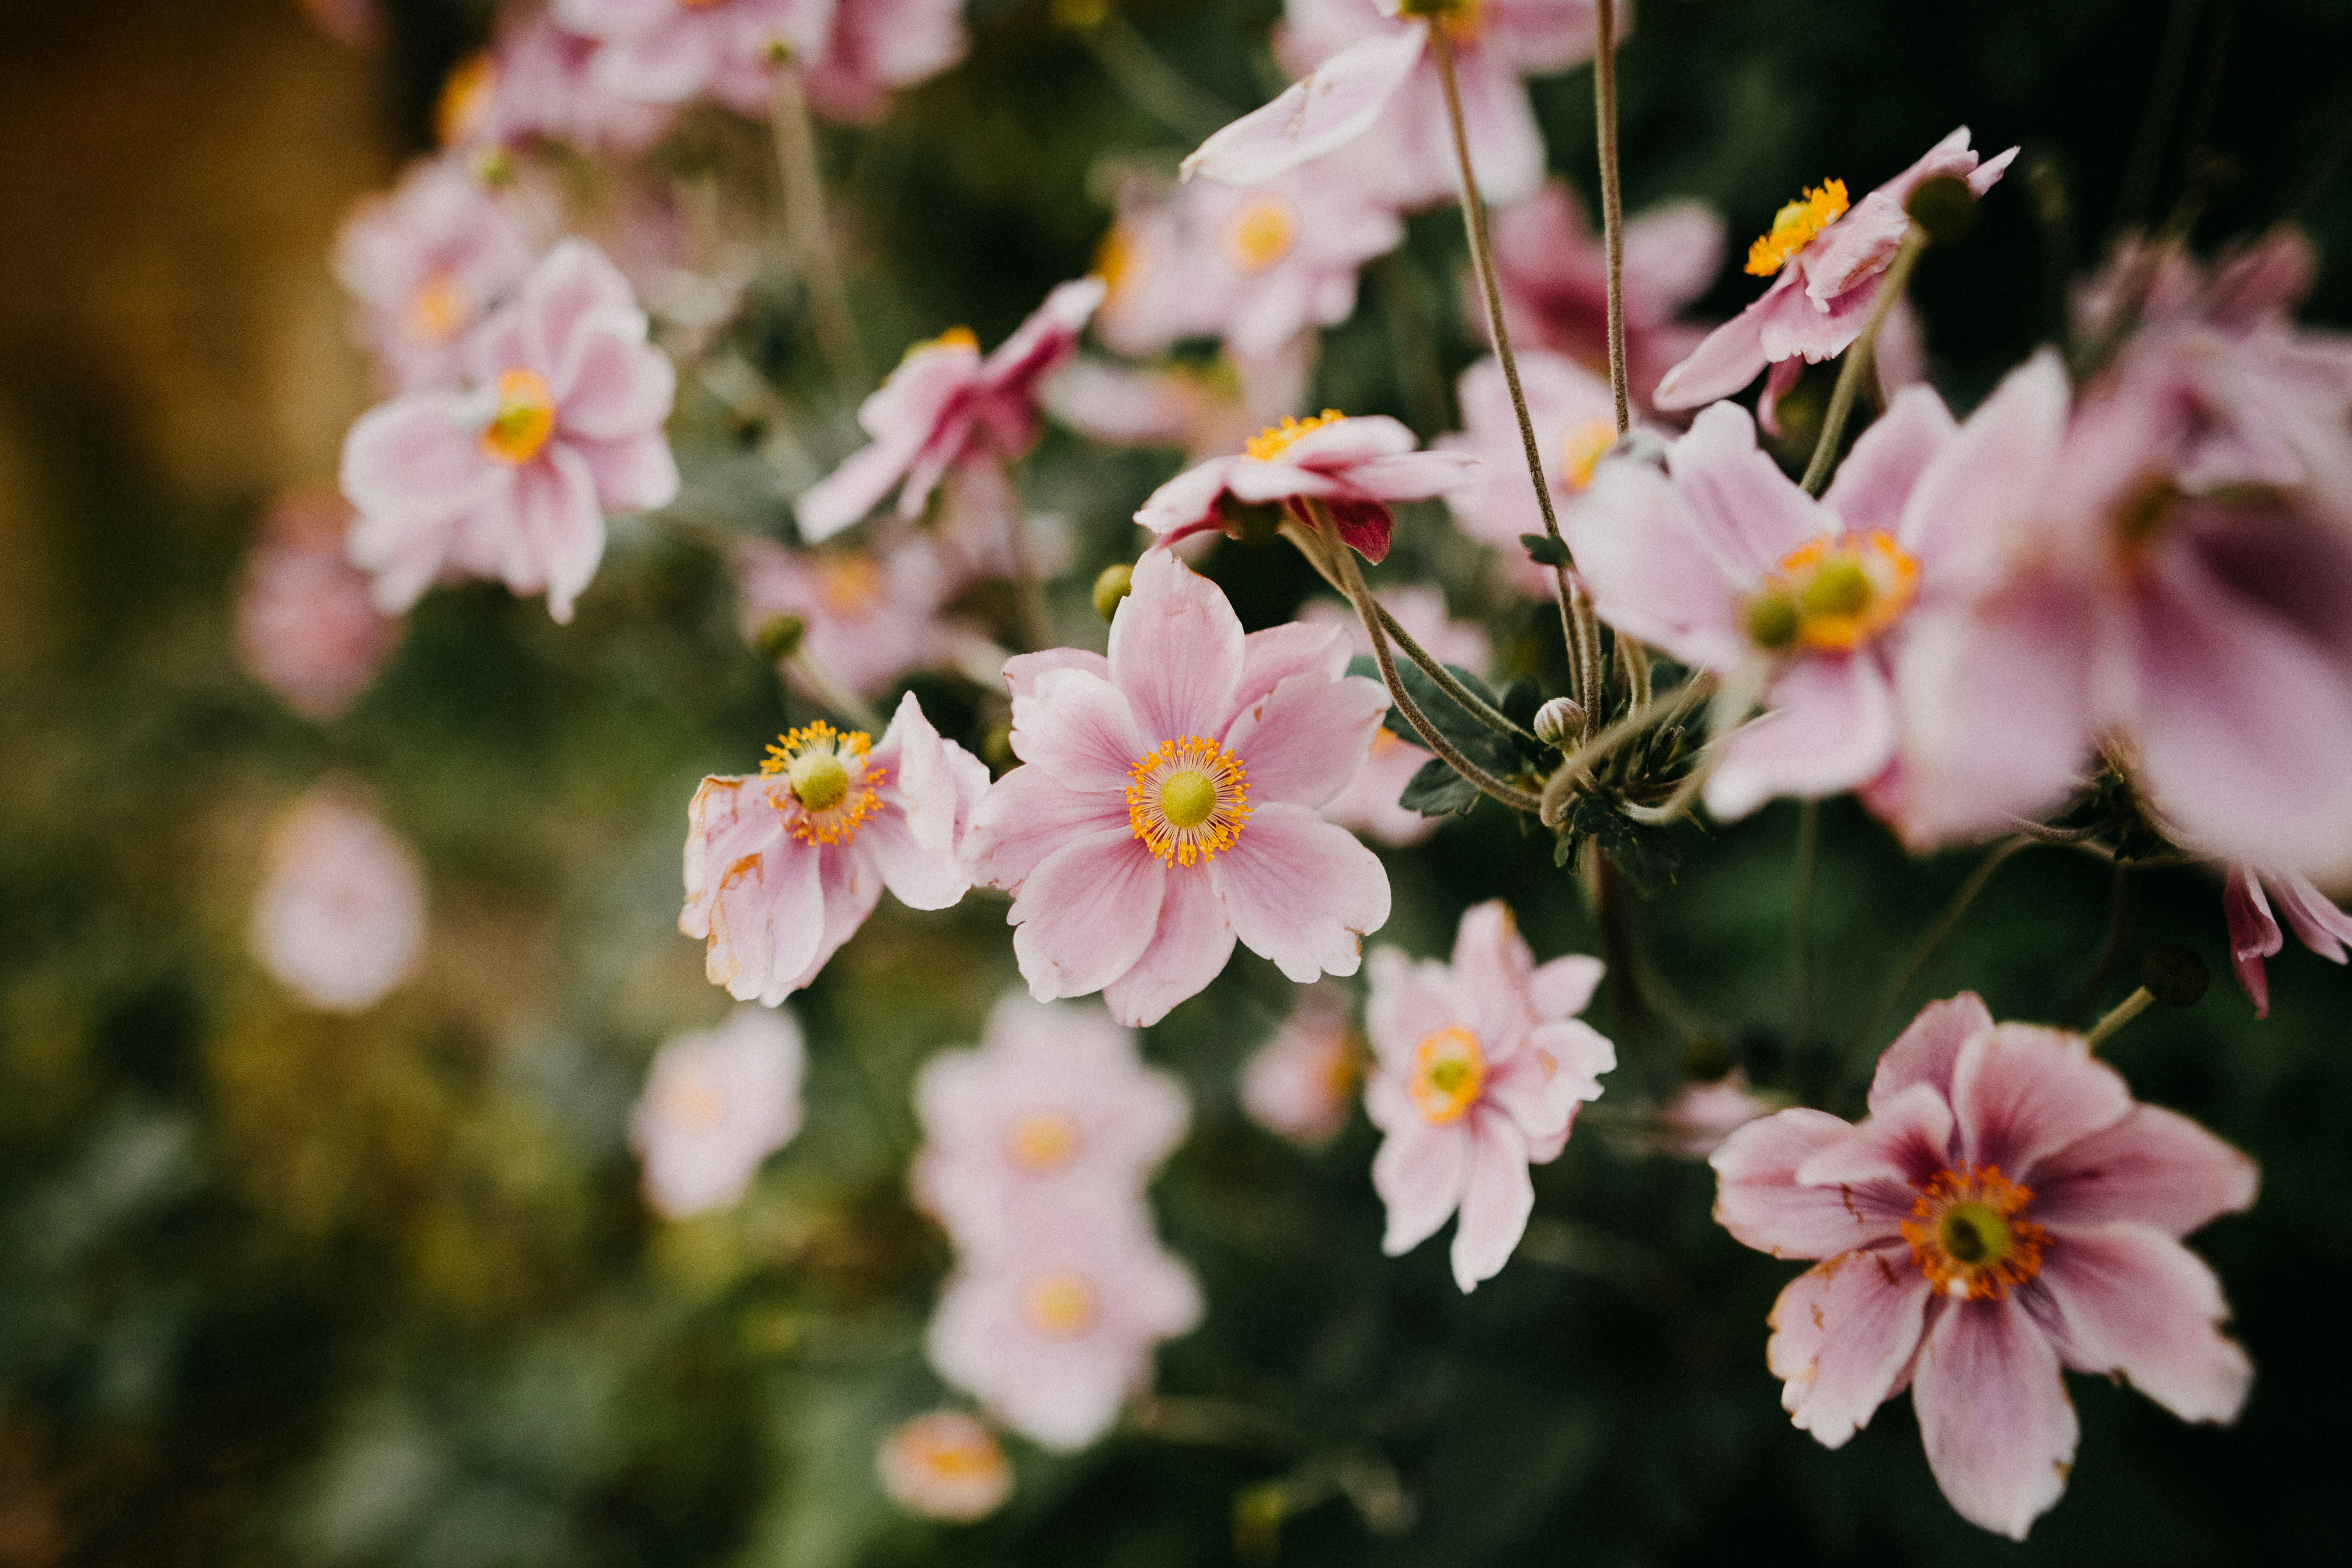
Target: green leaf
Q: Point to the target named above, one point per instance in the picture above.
(1648, 857)
(1544, 549)
(1438, 791)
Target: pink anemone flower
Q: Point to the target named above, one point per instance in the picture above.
(873, 47)
(1830, 264)
(2005, 1210)
(1165, 806)
(340, 920)
(945, 1464)
(1575, 417)
(1352, 468)
(511, 476)
(717, 1103)
(1055, 1106)
(1369, 85)
(1204, 410)
(1478, 1068)
(783, 866)
(2247, 896)
(541, 81)
(945, 408)
(678, 51)
(1301, 1084)
(1368, 805)
(426, 263)
(305, 627)
(867, 615)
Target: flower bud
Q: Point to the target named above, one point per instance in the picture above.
(1944, 207)
(779, 637)
(2173, 974)
(1116, 581)
(1558, 720)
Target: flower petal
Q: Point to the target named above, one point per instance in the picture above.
(1175, 652)
(1564, 988)
(1877, 476)
(1906, 1141)
(1757, 1199)
(2134, 1301)
(1420, 1173)
(1829, 727)
(1843, 1335)
(2155, 1167)
(1086, 914)
(1080, 728)
(1993, 1412)
(1727, 360)
(1926, 1049)
(1305, 739)
(2254, 933)
(1495, 1201)
(1188, 949)
(1302, 893)
(1028, 816)
(1330, 106)
(2023, 1094)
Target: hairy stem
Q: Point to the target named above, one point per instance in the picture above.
(1858, 365)
(812, 238)
(1612, 204)
(1893, 991)
(1661, 709)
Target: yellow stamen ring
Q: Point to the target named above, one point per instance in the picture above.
(1276, 439)
(1448, 1072)
(828, 783)
(1836, 591)
(1794, 227)
(1187, 800)
(1062, 1304)
(1262, 233)
(524, 420)
(1966, 1236)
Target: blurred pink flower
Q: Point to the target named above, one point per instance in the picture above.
(717, 1102)
(2246, 899)
(1575, 417)
(945, 406)
(305, 627)
(1368, 85)
(1554, 273)
(1055, 1106)
(1205, 410)
(872, 47)
(944, 1464)
(359, 23)
(542, 81)
(1353, 467)
(426, 262)
(1301, 1084)
(1054, 1331)
(867, 615)
(1700, 1116)
(511, 476)
(1167, 804)
(1830, 263)
(680, 51)
(1368, 805)
(1479, 1066)
(1255, 267)
(783, 866)
(2006, 1209)
(339, 918)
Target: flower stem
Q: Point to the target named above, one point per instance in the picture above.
(846, 704)
(1801, 922)
(2122, 1012)
(1894, 989)
(1661, 709)
(1612, 204)
(811, 237)
(1858, 361)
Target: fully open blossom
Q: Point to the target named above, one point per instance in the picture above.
(540, 80)
(717, 1102)
(1554, 275)
(1575, 418)
(873, 47)
(680, 51)
(1255, 267)
(1056, 1329)
(511, 476)
(945, 1464)
(426, 263)
(305, 627)
(2005, 1210)
(1827, 265)
(1055, 1107)
(1301, 1084)
(783, 866)
(1204, 410)
(2247, 897)
(339, 918)
(1167, 804)
(1478, 1068)
(1368, 805)
(1369, 85)
(867, 615)
(1352, 468)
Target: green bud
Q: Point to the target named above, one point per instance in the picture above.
(1772, 618)
(779, 637)
(1116, 581)
(1944, 207)
(2174, 975)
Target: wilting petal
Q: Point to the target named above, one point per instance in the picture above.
(1302, 893)
(2134, 1301)
(1330, 106)
(1188, 949)
(2155, 1167)
(1086, 914)
(1994, 1414)
(1495, 1201)
(1843, 1333)
(2023, 1094)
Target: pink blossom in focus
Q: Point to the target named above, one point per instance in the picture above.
(873, 47)
(339, 918)
(944, 407)
(544, 83)
(1478, 1066)
(1368, 805)
(717, 1102)
(680, 51)
(944, 1464)
(1575, 418)
(1165, 806)
(2247, 896)
(1353, 467)
(783, 866)
(1825, 287)
(1204, 410)
(2005, 1210)
(867, 615)
(1301, 1084)
(305, 627)
(1055, 1108)
(511, 476)
(426, 263)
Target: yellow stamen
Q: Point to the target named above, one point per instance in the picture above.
(1042, 1140)
(953, 338)
(1276, 439)
(828, 785)
(1115, 256)
(525, 417)
(438, 311)
(1262, 234)
(466, 96)
(1061, 1305)
(1835, 591)
(1794, 227)
(1967, 1236)
(1581, 450)
(1448, 1072)
(1187, 800)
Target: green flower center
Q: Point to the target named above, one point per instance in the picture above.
(1975, 1234)
(1186, 798)
(818, 780)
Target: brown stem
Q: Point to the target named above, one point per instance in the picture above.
(1612, 204)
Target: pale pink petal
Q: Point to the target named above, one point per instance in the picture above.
(850, 883)
(1877, 476)
(1927, 1046)
(852, 490)
(1086, 913)
(1650, 570)
(1028, 814)
(1757, 1199)
(1305, 739)
(1176, 651)
(2318, 923)
(556, 536)
(1540, 1085)
(1420, 1174)
(2155, 1167)
(1188, 949)
(1022, 671)
(1994, 1414)
(1301, 893)
(1977, 488)
(1295, 648)
(417, 454)
(1751, 512)
(1332, 105)
(1564, 986)
(1080, 728)
(1491, 965)
(2023, 1094)
(1497, 1200)
(1727, 360)
(1843, 1334)
(2134, 1303)
(1673, 252)
(2254, 933)
(1408, 1002)
(1829, 727)
(639, 474)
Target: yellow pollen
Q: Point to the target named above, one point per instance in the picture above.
(957, 1456)
(466, 96)
(1061, 1305)
(1187, 800)
(1794, 227)
(1836, 591)
(1448, 1071)
(438, 311)
(829, 786)
(1042, 1140)
(525, 417)
(1384, 741)
(1262, 234)
(1967, 1235)
(1276, 439)
(1114, 256)
(1581, 450)
(953, 338)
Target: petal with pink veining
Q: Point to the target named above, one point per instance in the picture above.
(1086, 912)
(2023, 1094)
(1028, 814)
(1080, 728)
(1757, 1199)
(1302, 893)
(1904, 1141)
(1927, 1046)
(1175, 652)
(1188, 949)
(2155, 1167)
(1994, 1414)
(1305, 739)
(1843, 1334)
(1829, 727)
(2132, 1300)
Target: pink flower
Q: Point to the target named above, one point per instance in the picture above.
(945, 406)
(1478, 1069)
(1366, 79)
(868, 616)
(717, 1103)
(1055, 1107)
(1301, 1084)
(426, 263)
(306, 628)
(511, 476)
(1700, 1116)
(1255, 267)
(359, 23)
(1575, 417)
(1554, 273)
(2006, 1209)
(340, 920)
(947, 1465)
(1054, 1331)
(541, 80)
(2246, 898)
(874, 47)
(783, 866)
(1168, 802)
(1830, 263)
(1355, 467)
(678, 51)
(1368, 805)
(1206, 410)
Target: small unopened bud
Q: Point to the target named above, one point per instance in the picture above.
(1116, 581)
(779, 637)
(2174, 975)
(1558, 720)
(1944, 207)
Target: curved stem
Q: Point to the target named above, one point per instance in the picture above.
(812, 238)
(1893, 991)
(1858, 361)
(2122, 1012)
(1612, 204)
(1581, 762)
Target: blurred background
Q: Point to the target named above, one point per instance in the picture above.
(285, 1287)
